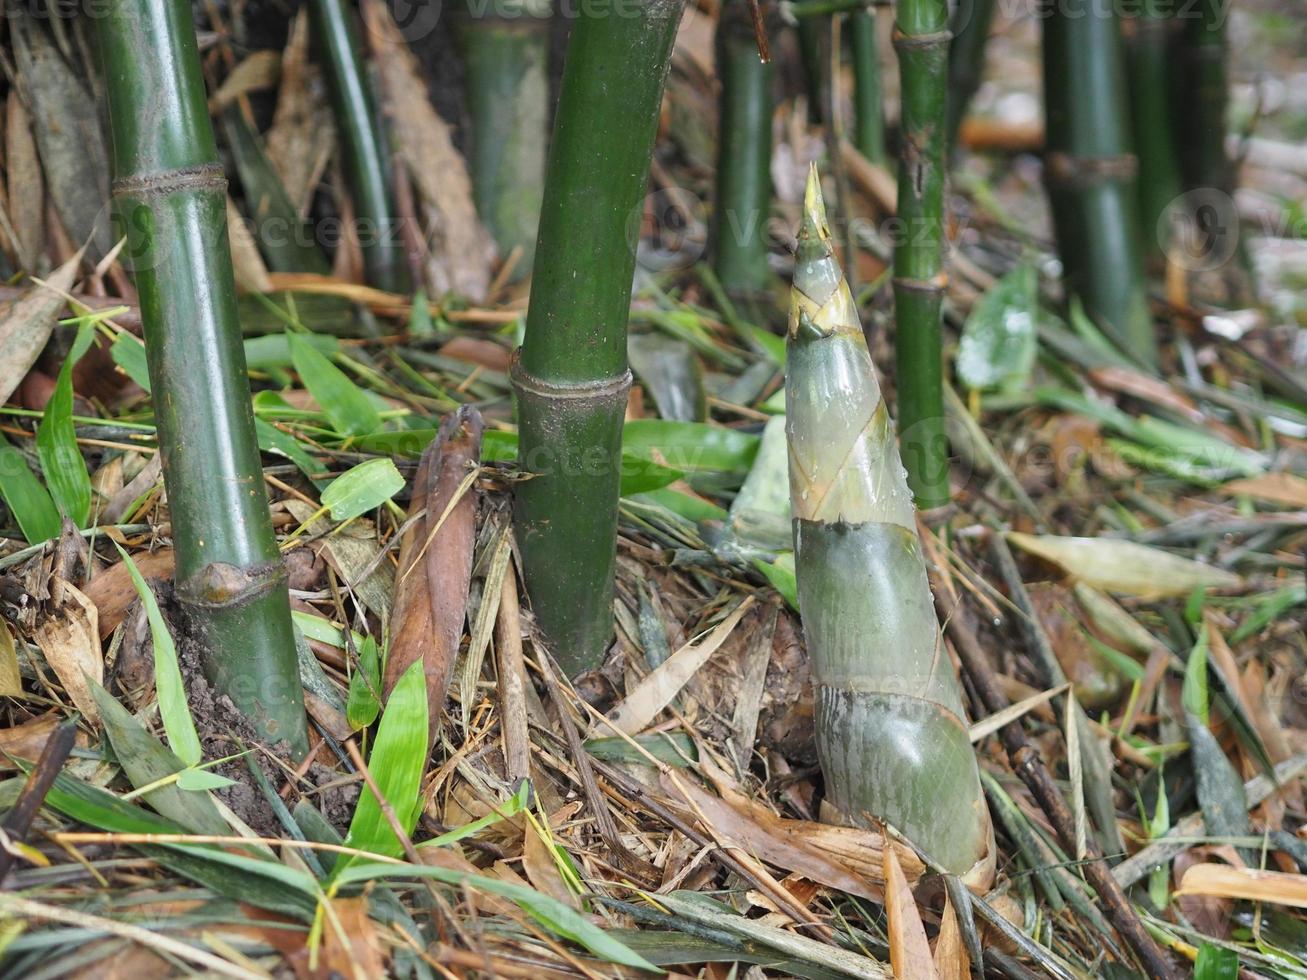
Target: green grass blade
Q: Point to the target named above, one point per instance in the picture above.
(365, 687)
(28, 501)
(56, 441)
(176, 715)
(397, 761)
(344, 402)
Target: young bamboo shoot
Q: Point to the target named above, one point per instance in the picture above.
(891, 732)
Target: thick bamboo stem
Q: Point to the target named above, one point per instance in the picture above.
(966, 58)
(570, 375)
(506, 58)
(170, 202)
(1148, 50)
(362, 140)
(868, 96)
(921, 37)
(1090, 171)
(1204, 91)
(891, 730)
(743, 155)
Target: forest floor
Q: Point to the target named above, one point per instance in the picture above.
(1135, 537)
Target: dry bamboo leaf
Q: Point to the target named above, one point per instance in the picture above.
(11, 681)
(258, 71)
(542, 869)
(70, 640)
(302, 136)
(351, 946)
(1224, 881)
(247, 263)
(1123, 566)
(112, 590)
(26, 741)
(1275, 488)
(26, 185)
(656, 691)
(951, 959)
(845, 858)
(25, 325)
(909, 952)
(461, 249)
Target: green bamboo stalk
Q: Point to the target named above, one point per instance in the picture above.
(890, 726)
(366, 162)
(506, 59)
(971, 22)
(743, 155)
(570, 374)
(170, 201)
(812, 32)
(868, 97)
(1090, 171)
(1204, 91)
(1148, 61)
(921, 38)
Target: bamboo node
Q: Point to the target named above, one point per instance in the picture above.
(903, 41)
(219, 585)
(1066, 170)
(612, 388)
(205, 176)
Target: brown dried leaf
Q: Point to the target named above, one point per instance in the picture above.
(1252, 884)
(909, 952)
(11, 681)
(542, 869)
(70, 640)
(112, 590)
(461, 249)
(257, 72)
(26, 185)
(27, 741)
(303, 133)
(1275, 488)
(247, 263)
(26, 322)
(951, 959)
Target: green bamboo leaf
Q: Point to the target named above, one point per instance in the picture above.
(28, 501)
(128, 353)
(997, 349)
(364, 687)
(199, 780)
(549, 912)
(176, 715)
(672, 374)
(1216, 963)
(1194, 693)
(673, 748)
(397, 761)
(362, 488)
(691, 446)
(273, 350)
(345, 403)
(56, 440)
(642, 475)
(274, 440)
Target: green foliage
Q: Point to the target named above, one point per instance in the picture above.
(1216, 963)
(365, 687)
(345, 403)
(56, 440)
(997, 349)
(173, 709)
(360, 489)
(28, 501)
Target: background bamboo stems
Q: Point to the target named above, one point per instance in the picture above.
(170, 201)
(970, 25)
(868, 96)
(1090, 172)
(570, 375)
(744, 147)
(366, 160)
(506, 58)
(1148, 59)
(921, 38)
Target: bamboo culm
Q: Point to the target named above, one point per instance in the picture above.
(868, 97)
(506, 59)
(921, 38)
(891, 731)
(363, 143)
(744, 145)
(1090, 172)
(970, 25)
(170, 203)
(570, 375)
(1148, 61)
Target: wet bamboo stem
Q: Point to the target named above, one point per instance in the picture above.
(1148, 62)
(743, 155)
(570, 375)
(868, 97)
(170, 202)
(506, 59)
(891, 730)
(966, 58)
(921, 38)
(1204, 93)
(366, 166)
(1090, 171)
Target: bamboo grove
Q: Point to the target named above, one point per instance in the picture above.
(563, 189)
